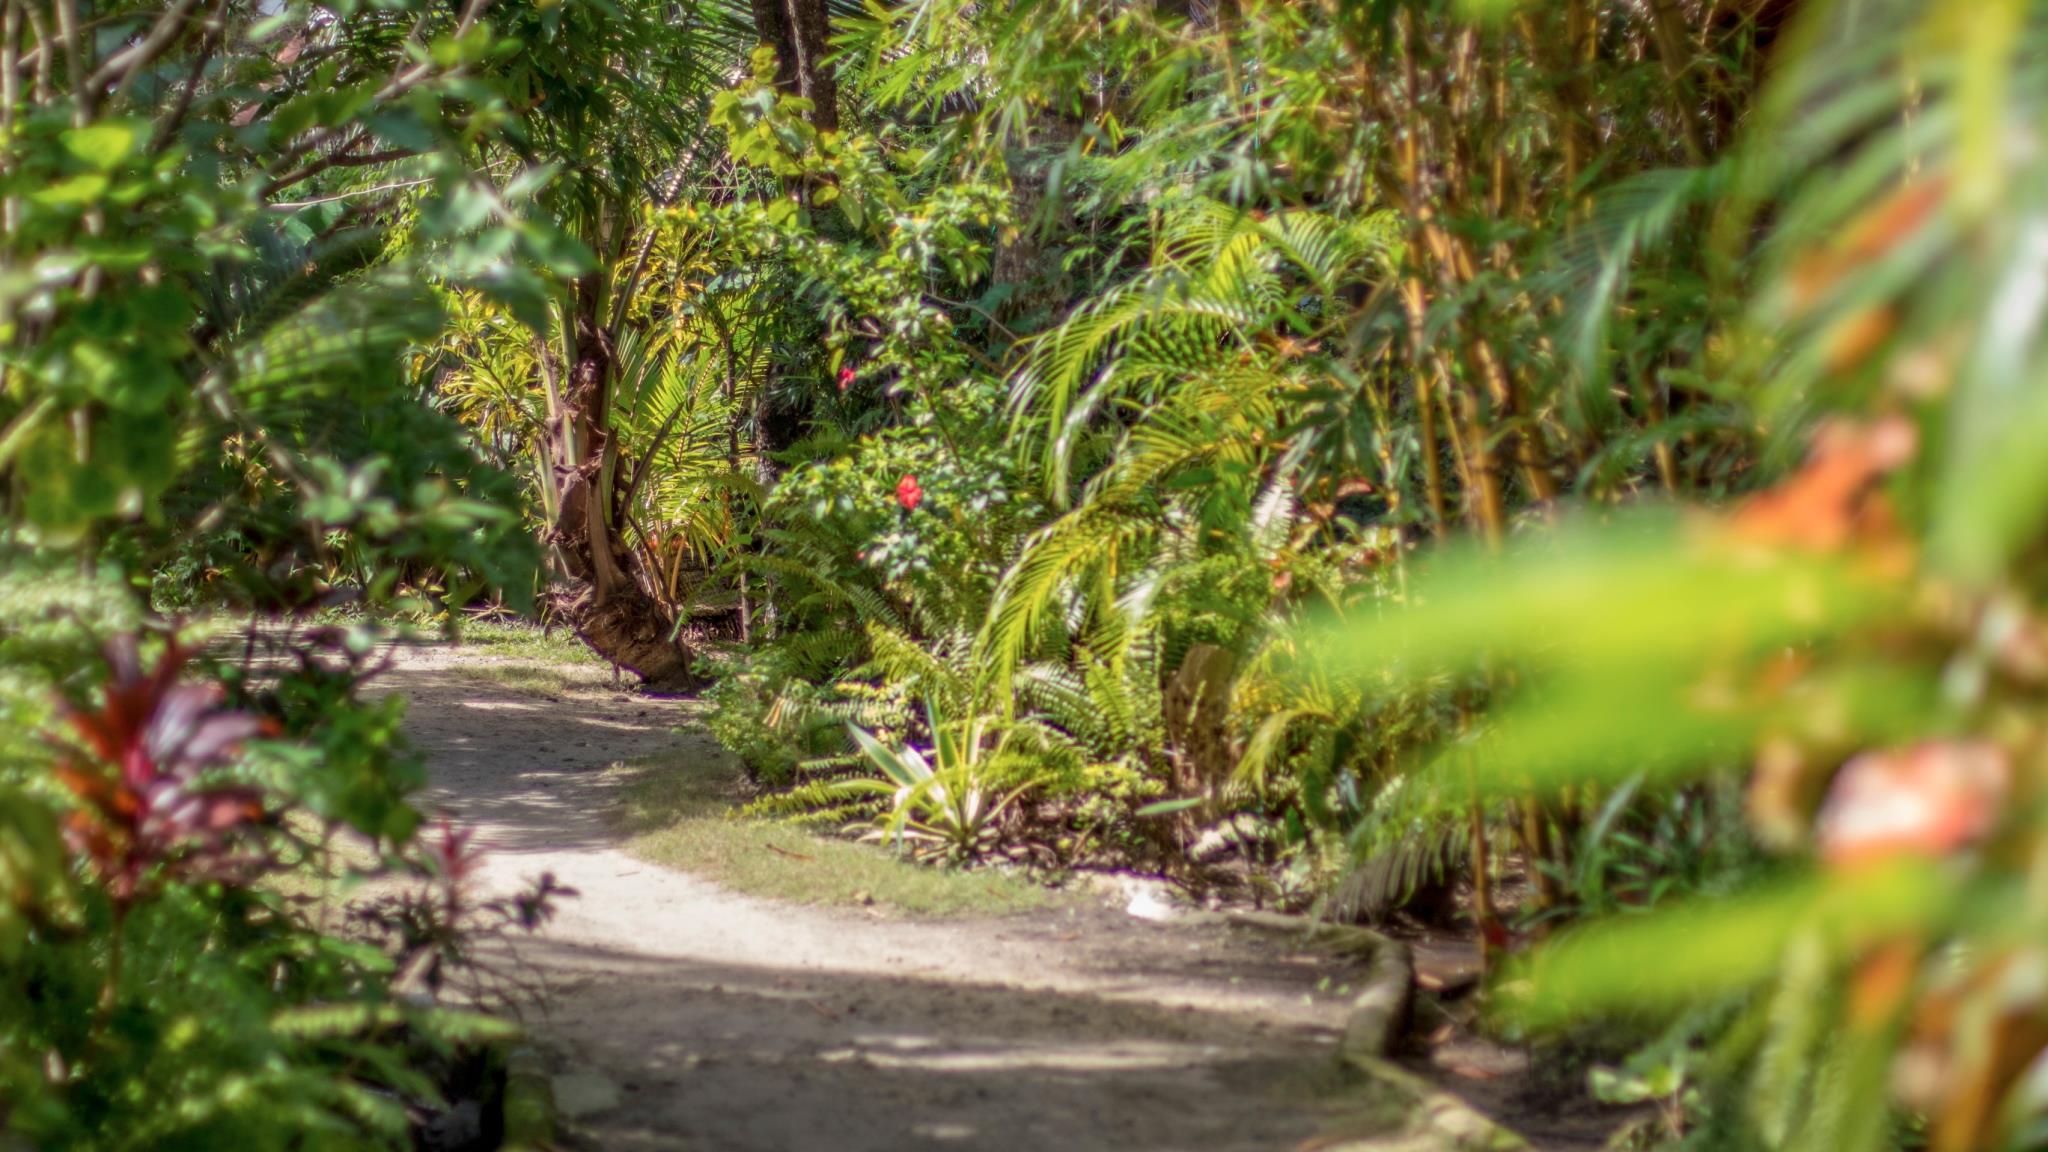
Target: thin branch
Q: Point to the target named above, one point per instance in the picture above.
(121, 68)
(41, 92)
(74, 61)
(15, 434)
(296, 205)
(10, 98)
(85, 28)
(338, 159)
(398, 85)
(216, 24)
(978, 310)
(355, 216)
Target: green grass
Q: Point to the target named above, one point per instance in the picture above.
(527, 642)
(680, 811)
(532, 679)
(526, 659)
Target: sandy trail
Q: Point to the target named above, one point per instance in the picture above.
(684, 1016)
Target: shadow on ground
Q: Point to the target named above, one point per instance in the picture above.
(678, 1015)
(666, 1054)
(552, 793)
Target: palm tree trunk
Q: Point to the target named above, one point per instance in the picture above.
(603, 596)
(800, 31)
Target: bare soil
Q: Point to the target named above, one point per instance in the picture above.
(680, 1015)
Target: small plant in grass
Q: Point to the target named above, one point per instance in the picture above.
(1661, 1079)
(681, 811)
(951, 804)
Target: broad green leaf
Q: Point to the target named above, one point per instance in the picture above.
(1668, 959)
(104, 145)
(84, 188)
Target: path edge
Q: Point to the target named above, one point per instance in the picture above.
(531, 1119)
(1376, 1023)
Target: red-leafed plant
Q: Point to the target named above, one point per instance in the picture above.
(145, 776)
(434, 932)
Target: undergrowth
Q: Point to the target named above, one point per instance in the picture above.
(683, 810)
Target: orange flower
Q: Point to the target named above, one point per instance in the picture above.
(1832, 501)
(1928, 800)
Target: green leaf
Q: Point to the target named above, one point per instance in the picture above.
(1669, 959)
(1488, 11)
(556, 250)
(907, 771)
(106, 144)
(77, 191)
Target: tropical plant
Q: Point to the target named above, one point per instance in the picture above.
(952, 804)
(156, 991)
(1204, 436)
(602, 86)
(221, 225)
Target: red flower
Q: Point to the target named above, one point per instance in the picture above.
(908, 493)
(845, 379)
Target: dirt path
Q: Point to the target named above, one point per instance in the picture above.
(683, 1016)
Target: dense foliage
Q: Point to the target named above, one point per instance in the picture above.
(222, 229)
(1145, 356)
(1562, 471)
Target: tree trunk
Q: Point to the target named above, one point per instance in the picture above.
(606, 598)
(800, 31)
(771, 27)
(811, 34)
(1020, 261)
(1196, 712)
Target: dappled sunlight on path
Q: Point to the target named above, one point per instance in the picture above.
(682, 1015)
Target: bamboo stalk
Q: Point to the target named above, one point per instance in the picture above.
(39, 90)
(10, 101)
(1432, 383)
(1482, 877)
(1458, 268)
(74, 61)
(1432, 464)
(1484, 502)
(1535, 839)
(1667, 27)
